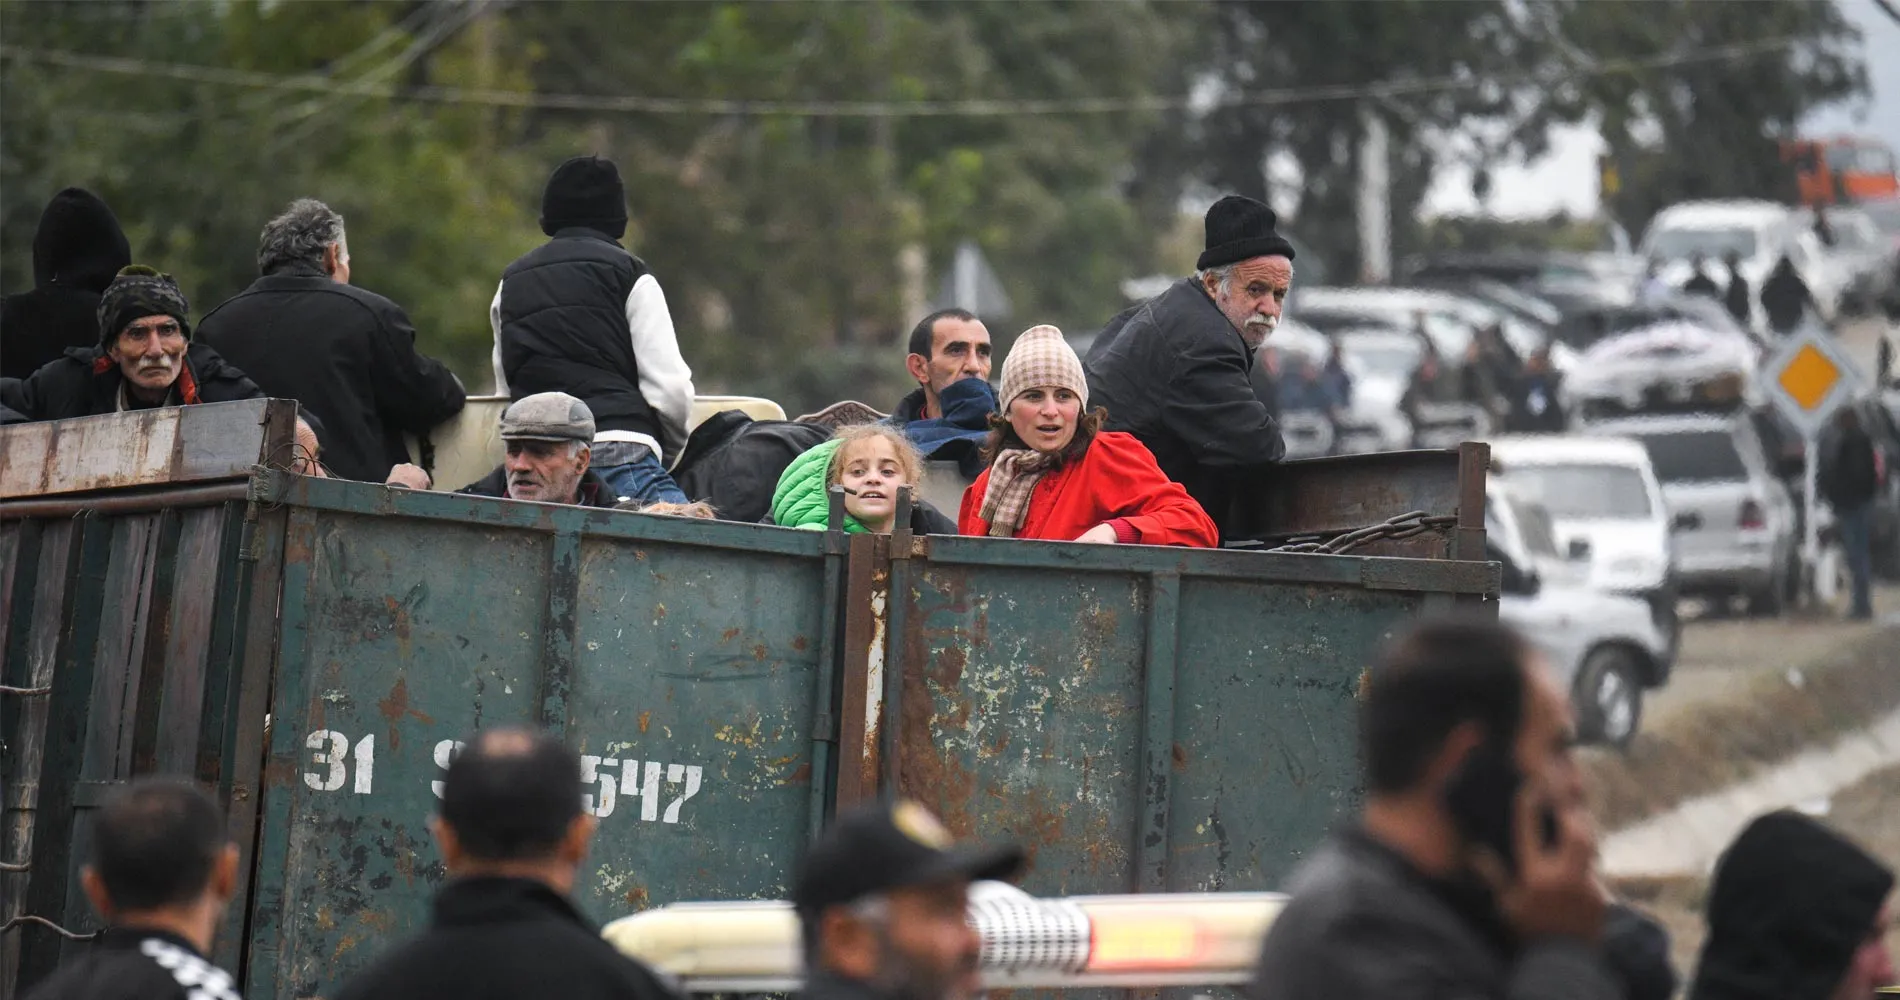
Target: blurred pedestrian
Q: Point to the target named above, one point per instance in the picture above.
(1736, 296)
(1337, 381)
(512, 832)
(1055, 474)
(1795, 912)
(1537, 405)
(882, 899)
(145, 358)
(161, 872)
(77, 251)
(1653, 288)
(1304, 388)
(302, 331)
(1430, 387)
(1785, 297)
(1849, 480)
(1173, 371)
(1470, 871)
(581, 315)
(1700, 283)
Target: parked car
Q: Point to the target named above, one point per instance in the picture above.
(1607, 513)
(1381, 361)
(1605, 646)
(1761, 232)
(1670, 366)
(1734, 524)
(1450, 319)
(1864, 256)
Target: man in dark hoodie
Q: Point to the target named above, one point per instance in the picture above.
(1796, 912)
(303, 332)
(1740, 304)
(76, 252)
(145, 358)
(581, 315)
(1173, 371)
(1785, 297)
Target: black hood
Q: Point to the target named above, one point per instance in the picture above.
(79, 243)
(1791, 903)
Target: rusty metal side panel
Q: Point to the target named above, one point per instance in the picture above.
(166, 446)
(36, 606)
(1330, 495)
(1263, 758)
(1146, 719)
(678, 657)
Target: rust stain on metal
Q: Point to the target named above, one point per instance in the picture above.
(1180, 756)
(729, 635)
(758, 652)
(925, 772)
(636, 897)
(347, 944)
(394, 707)
(801, 776)
(799, 643)
(645, 718)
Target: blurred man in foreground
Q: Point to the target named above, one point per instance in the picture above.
(161, 874)
(513, 834)
(882, 899)
(1796, 912)
(1471, 872)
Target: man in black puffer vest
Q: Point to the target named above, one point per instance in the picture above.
(581, 315)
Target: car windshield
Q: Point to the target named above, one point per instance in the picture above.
(1886, 215)
(1534, 523)
(1681, 244)
(1585, 491)
(1695, 457)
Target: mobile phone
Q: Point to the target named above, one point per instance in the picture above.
(1482, 800)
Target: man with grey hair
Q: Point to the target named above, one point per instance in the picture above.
(550, 442)
(349, 355)
(1173, 371)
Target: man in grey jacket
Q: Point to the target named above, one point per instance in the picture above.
(1470, 873)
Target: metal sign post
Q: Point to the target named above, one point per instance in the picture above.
(1809, 379)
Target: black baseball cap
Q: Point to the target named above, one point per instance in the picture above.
(890, 845)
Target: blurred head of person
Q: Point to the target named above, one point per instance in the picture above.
(144, 328)
(1247, 267)
(549, 438)
(511, 808)
(883, 897)
(308, 235)
(1539, 361)
(1697, 260)
(161, 860)
(947, 346)
(1455, 716)
(1796, 912)
(1734, 261)
(307, 454)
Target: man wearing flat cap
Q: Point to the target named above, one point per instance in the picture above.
(549, 437)
(1173, 371)
(882, 899)
(145, 358)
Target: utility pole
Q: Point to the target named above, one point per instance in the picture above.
(1375, 200)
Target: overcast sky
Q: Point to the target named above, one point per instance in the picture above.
(1566, 178)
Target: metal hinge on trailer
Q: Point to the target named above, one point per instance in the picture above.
(1407, 525)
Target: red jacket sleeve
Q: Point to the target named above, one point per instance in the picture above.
(968, 521)
(1127, 481)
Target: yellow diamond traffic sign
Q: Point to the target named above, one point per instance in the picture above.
(1808, 377)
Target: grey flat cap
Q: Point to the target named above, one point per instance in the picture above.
(548, 416)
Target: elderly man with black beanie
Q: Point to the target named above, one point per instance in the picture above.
(581, 315)
(1173, 371)
(1796, 912)
(145, 358)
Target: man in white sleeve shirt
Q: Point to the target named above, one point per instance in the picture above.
(581, 315)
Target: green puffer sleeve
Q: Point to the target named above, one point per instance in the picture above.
(799, 500)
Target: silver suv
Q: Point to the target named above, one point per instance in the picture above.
(1732, 521)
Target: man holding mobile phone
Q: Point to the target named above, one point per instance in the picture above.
(1471, 872)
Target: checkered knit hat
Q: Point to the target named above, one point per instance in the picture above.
(1040, 357)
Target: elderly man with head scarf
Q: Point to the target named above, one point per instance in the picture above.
(145, 358)
(1173, 371)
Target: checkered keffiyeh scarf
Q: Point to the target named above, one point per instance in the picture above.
(1040, 358)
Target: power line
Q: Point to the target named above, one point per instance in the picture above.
(968, 108)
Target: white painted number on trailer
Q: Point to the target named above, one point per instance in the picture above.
(594, 769)
(330, 751)
(445, 752)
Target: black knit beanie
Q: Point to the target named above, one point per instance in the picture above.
(1791, 903)
(138, 292)
(585, 191)
(1239, 228)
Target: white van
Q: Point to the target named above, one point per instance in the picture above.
(1607, 513)
(1760, 231)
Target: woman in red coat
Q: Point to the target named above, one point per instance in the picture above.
(1055, 474)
